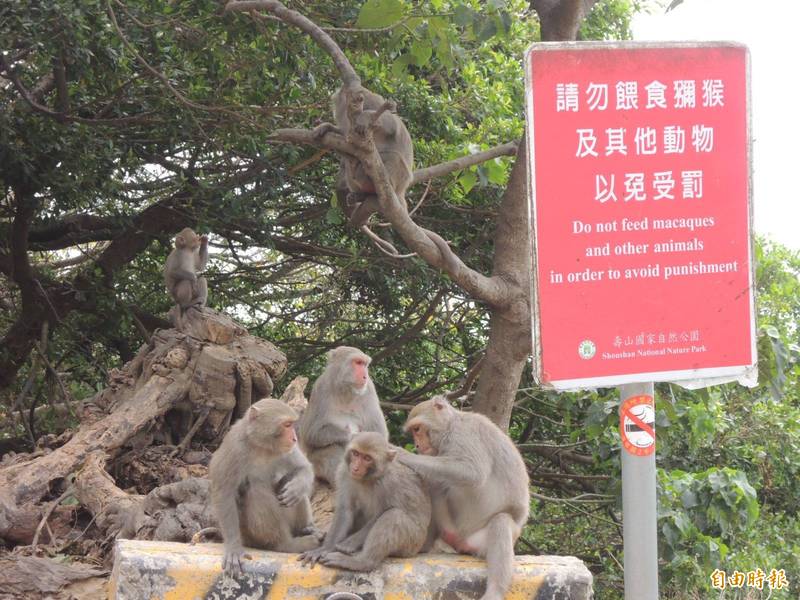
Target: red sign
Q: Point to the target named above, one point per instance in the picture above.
(640, 189)
(637, 425)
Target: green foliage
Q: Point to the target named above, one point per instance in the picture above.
(285, 263)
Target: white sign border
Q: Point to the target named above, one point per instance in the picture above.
(692, 378)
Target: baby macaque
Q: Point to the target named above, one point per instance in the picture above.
(260, 485)
(343, 402)
(382, 509)
(478, 483)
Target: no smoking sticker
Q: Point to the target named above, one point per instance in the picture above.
(637, 425)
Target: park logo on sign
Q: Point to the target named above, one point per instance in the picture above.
(637, 425)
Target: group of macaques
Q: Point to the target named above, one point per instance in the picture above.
(467, 485)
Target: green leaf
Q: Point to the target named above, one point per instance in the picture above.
(468, 180)
(463, 16)
(421, 51)
(380, 13)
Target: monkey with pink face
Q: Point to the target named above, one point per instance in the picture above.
(343, 402)
(478, 484)
(261, 484)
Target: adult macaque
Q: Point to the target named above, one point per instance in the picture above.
(478, 482)
(392, 141)
(382, 509)
(343, 402)
(260, 485)
(186, 260)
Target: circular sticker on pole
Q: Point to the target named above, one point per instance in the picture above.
(637, 425)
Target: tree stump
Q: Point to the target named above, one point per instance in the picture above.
(180, 385)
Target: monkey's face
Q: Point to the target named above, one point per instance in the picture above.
(357, 101)
(287, 436)
(422, 439)
(359, 373)
(361, 464)
(187, 238)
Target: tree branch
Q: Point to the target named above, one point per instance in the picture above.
(291, 17)
(463, 162)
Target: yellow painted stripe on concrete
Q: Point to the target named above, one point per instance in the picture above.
(171, 571)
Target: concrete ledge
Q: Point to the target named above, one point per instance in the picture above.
(172, 571)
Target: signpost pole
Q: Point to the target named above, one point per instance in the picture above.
(639, 514)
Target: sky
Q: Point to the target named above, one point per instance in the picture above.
(769, 28)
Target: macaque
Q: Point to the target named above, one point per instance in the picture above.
(382, 509)
(261, 484)
(478, 483)
(392, 142)
(186, 260)
(343, 402)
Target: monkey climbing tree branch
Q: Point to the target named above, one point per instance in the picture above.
(360, 145)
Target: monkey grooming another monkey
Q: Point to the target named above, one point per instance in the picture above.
(186, 260)
(478, 483)
(382, 509)
(343, 402)
(260, 485)
(392, 141)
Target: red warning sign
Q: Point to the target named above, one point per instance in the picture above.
(637, 425)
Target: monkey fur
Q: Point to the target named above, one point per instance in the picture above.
(343, 402)
(478, 483)
(186, 260)
(260, 485)
(382, 509)
(392, 141)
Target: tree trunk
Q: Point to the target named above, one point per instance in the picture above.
(177, 373)
(510, 327)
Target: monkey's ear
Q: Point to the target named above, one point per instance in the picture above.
(439, 403)
(391, 454)
(253, 413)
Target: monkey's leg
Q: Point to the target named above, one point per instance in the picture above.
(183, 293)
(392, 534)
(353, 544)
(364, 210)
(200, 292)
(499, 552)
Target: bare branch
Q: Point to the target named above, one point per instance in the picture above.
(384, 246)
(463, 162)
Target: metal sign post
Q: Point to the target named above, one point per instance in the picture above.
(639, 500)
(640, 211)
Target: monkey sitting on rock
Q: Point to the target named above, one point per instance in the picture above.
(382, 509)
(478, 483)
(186, 260)
(260, 485)
(343, 402)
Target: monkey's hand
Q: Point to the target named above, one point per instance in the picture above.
(232, 561)
(293, 491)
(203, 241)
(309, 558)
(323, 128)
(313, 530)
